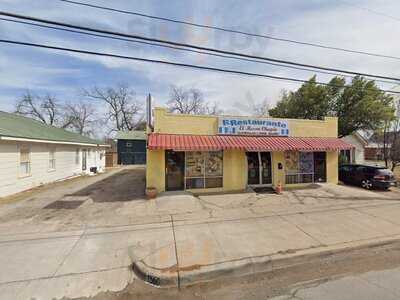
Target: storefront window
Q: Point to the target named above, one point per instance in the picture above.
(292, 162)
(299, 167)
(203, 169)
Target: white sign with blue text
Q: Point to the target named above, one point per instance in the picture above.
(252, 126)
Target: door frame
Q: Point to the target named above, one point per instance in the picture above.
(183, 184)
(260, 169)
(325, 175)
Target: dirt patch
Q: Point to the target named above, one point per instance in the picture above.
(126, 185)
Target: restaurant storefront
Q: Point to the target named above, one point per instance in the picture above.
(222, 153)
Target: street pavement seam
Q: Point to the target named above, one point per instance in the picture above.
(301, 229)
(65, 275)
(80, 235)
(176, 252)
(164, 225)
(41, 239)
(69, 253)
(128, 224)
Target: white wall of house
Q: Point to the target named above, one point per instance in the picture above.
(358, 153)
(68, 163)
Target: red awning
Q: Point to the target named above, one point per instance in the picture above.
(186, 142)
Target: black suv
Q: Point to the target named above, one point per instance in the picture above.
(367, 176)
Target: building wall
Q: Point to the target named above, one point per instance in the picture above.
(374, 153)
(235, 162)
(170, 123)
(12, 182)
(155, 169)
(136, 154)
(332, 170)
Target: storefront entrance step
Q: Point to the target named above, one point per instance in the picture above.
(264, 190)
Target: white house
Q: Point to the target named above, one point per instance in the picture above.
(357, 154)
(32, 154)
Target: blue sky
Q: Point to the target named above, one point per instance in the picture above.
(65, 74)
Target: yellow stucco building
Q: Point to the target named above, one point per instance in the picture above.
(227, 153)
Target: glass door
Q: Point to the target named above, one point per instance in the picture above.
(253, 168)
(259, 168)
(320, 166)
(266, 172)
(174, 170)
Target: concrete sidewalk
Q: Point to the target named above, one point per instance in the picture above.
(179, 239)
(216, 248)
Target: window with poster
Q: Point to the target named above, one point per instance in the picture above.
(203, 169)
(299, 167)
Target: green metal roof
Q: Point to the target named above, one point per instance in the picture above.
(131, 135)
(13, 125)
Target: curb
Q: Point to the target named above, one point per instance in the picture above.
(172, 277)
(155, 277)
(158, 277)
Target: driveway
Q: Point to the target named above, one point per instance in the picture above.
(80, 238)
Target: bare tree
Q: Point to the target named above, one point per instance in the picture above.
(123, 111)
(386, 146)
(212, 109)
(391, 138)
(46, 109)
(394, 152)
(190, 101)
(142, 125)
(261, 109)
(82, 116)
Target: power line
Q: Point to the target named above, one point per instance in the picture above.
(375, 12)
(179, 48)
(193, 46)
(270, 37)
(170, 63)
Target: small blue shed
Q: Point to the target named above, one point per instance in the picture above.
(131, 147)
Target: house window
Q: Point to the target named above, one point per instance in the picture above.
(52, 159)
(345, 157)
(25, 162)
(77, 156)
(203, 169)
(129, 145)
